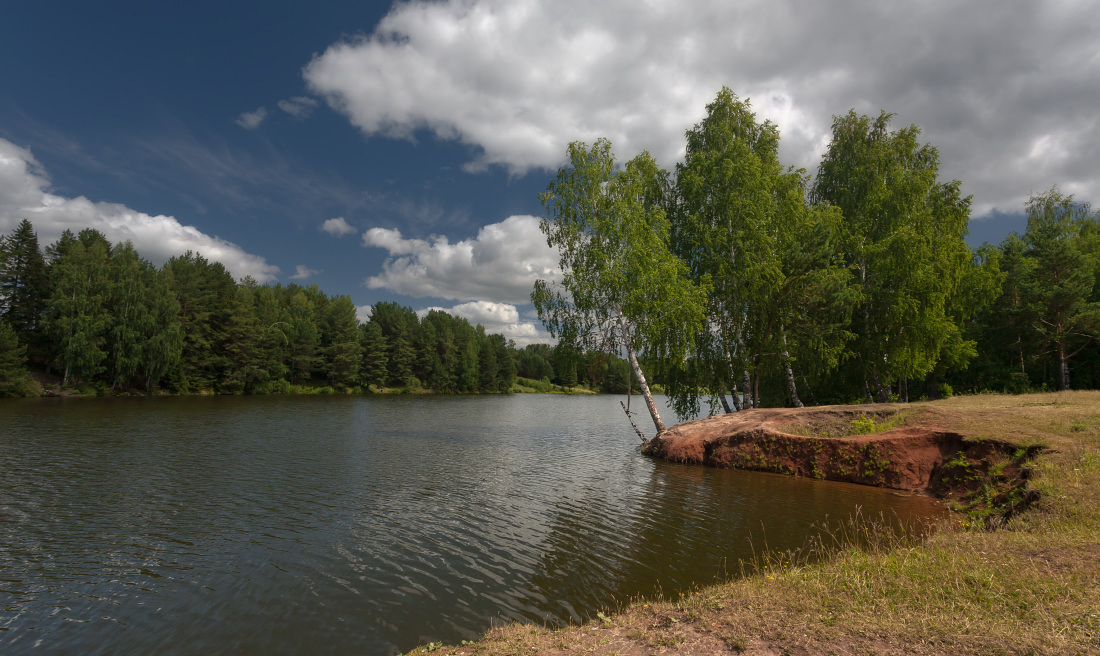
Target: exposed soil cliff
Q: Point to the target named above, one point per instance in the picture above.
(911, 454)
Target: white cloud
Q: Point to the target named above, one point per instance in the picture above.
(300, 107)
(1007, 92)
(500, 265)
(24, 195)
(303, 272)
(500, 318)
(363, 312)
(338, 227)
(252, 120)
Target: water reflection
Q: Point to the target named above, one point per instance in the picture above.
(688, 526)
(356, 525)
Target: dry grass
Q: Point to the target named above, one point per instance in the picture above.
(1030, 587)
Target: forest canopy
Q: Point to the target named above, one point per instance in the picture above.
(855, 284)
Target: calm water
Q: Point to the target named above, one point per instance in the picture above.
(287, 525)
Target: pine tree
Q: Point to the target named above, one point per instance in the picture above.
(469, 379)
(489, 368)
(372, 371)
(506, 363)
(244, 371)
(15, 380)
(305, 339)
(206, 293)
(402, 360)
(23, 286)
(163, 345)
(343, 351)
(1062, 279)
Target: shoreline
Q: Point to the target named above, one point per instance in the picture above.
(1018, 573)
(894, 446)
(50, 387)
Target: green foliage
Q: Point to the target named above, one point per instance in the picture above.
(621, 284)
(112, 321)
(1061, 287)
(902, 235)
(340, 333)
(1041, 331)
(780, 294)
(23, 284)
(864, 425)
(726, 283)
(15, 380)
(77, 318)
(375, 354)
(206, 294)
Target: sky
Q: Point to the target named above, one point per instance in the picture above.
(395, 151)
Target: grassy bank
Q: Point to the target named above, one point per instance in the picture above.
(1031, 585)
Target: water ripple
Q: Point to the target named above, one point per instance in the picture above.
(366, 525)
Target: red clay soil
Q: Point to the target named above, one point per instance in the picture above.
(910, 458)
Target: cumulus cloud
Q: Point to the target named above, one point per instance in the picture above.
(338, 227)
(303, 272)
(500, 264)
(300, 107)
(24, 194)
(363, 312)
(500, 318)
(252, 120)
(1006, 93)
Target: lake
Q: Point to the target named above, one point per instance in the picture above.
(360, 525)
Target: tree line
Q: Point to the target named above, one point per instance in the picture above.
(100, 317)
(745, 283)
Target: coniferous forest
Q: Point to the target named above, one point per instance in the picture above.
(732, 276)
(101, 319)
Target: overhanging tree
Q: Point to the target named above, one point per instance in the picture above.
(621, 284)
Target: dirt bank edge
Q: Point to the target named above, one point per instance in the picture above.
(915, 457)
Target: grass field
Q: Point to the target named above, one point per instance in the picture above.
(1028, 585)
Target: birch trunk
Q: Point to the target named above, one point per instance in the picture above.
(641, 377)
(791, 387)
(733, 387)
(722, 398)
(790, 381)
(736, 396)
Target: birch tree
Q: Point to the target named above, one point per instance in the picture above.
(621, 284)
(780, 294)
(77, 319)
(903, 234)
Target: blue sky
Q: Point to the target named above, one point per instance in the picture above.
(240, 129)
